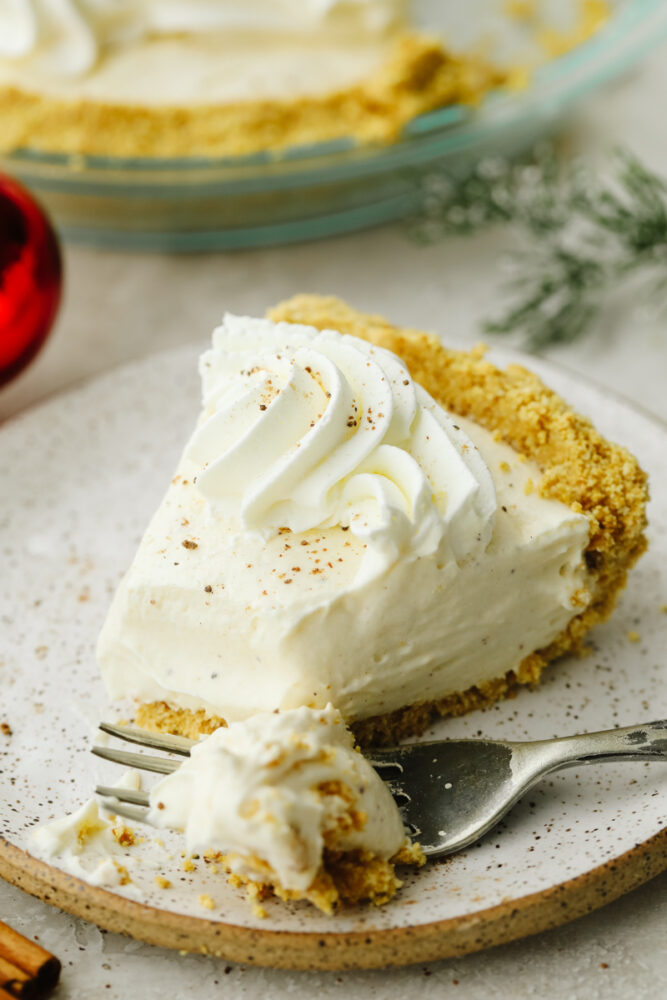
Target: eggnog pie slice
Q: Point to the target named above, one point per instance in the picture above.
(364, 518)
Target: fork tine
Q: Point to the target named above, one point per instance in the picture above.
(143, 761)
(157, 741)
(395, 787)
(379, 763)
(123, 794)
(135, 813)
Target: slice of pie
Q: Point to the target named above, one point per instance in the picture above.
(218, 77)
(366, 518)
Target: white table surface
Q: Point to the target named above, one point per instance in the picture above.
(122, 306)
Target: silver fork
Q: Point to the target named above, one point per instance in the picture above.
(450, 792)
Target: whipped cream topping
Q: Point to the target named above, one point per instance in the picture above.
(67, 37)
(278, 789)
(305, 429)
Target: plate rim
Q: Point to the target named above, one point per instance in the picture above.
(509, 920)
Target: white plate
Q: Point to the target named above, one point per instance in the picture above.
(82, 474)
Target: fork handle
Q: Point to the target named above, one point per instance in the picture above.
(647, 741)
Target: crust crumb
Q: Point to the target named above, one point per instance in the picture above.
(158, 716)
(124, 835)
(345, 878)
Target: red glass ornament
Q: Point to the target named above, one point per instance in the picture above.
(30, 278)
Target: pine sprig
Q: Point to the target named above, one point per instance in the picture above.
(583, 235)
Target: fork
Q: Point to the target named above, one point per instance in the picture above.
(449, 792)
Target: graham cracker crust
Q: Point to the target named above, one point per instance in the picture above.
(579, 467)
(159, 717)
(345, 878)
(418, 76)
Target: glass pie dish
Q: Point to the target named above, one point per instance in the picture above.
(308, 192)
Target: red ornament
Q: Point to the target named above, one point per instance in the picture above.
(30, 278)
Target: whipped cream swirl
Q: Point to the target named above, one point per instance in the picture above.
(307, 429)
(66, 37)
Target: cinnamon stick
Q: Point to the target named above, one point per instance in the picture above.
(26, 969)
(13, 979)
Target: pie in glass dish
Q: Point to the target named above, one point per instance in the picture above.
(215, 78)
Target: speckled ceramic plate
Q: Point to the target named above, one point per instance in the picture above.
(81, 475)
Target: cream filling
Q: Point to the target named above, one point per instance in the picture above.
(278, 789)
(216, 625)
(216, 68)
(169, 52)
(84, 844)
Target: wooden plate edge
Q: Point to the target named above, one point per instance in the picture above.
(507, 921)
